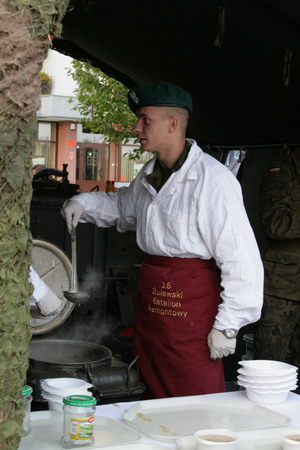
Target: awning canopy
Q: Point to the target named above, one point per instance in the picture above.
(240, 59)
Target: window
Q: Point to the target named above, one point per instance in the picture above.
(94, 163)
(91, 165)
(130, 168)
(45, 146)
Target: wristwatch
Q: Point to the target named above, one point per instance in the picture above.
(230, 333)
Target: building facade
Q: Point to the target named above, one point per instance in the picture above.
(61, 138)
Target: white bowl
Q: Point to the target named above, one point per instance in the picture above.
(204, 442)
(65, 383)
(267, 367)
(291, 439)
(257, 388)
(59, 397)
(267, 379)
(55, 406)
(271, 385)
(267, 398)
(267, 388)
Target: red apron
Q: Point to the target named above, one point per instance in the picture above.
(177, 301)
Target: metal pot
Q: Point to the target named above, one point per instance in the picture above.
(54, 358)
(69, 353)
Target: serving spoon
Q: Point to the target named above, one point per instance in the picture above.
(74, 295)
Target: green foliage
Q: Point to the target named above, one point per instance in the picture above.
(102, 101)
(135, 154)
(46, 15)
(15, 253)
(46, 81)
(24, 42)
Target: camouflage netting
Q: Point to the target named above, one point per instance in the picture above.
(24, 26)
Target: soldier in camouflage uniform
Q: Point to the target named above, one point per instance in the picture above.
(277, 333)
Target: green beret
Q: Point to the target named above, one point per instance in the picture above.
(161, 94)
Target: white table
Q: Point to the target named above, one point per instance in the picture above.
(291, 409)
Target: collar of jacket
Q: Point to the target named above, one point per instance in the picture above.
(188, 170)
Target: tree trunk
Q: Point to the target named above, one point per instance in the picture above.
(24, 45)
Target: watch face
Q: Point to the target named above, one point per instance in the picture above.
(230, 333)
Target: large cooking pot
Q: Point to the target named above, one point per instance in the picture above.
(68, 353)
(56, 358)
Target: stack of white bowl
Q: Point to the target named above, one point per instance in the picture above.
(266, 381)
(55, 389)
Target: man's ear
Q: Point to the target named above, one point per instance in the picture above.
(173, 124)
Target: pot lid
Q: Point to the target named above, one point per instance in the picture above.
(68, 352)
(54, 267)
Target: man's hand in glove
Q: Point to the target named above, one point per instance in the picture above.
(219, 344)
(72, 213)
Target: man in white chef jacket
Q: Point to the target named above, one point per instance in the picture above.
(203, 277)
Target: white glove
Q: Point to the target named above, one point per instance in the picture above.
(72, 213)
(45, 299)
(219, 344)
(49, 304)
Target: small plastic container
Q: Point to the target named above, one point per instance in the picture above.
(27, 399)
(267, 367)
(79, 412)
(291, 439)
(267, 397)
(55, 389)
(213, 439)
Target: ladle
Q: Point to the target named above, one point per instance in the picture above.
(74, 295)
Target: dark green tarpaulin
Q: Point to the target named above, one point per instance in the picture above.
(240, 59)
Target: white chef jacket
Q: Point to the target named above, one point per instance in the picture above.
(198, 213)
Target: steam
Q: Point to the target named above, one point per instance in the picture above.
(93, 280)
(91, 321)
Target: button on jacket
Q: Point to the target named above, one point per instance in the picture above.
(198, 213)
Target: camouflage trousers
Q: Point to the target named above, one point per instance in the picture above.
(277, 334)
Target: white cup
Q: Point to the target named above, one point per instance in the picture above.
(217, 439)
(291, 440)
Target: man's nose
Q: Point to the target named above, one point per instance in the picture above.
(137, 127)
